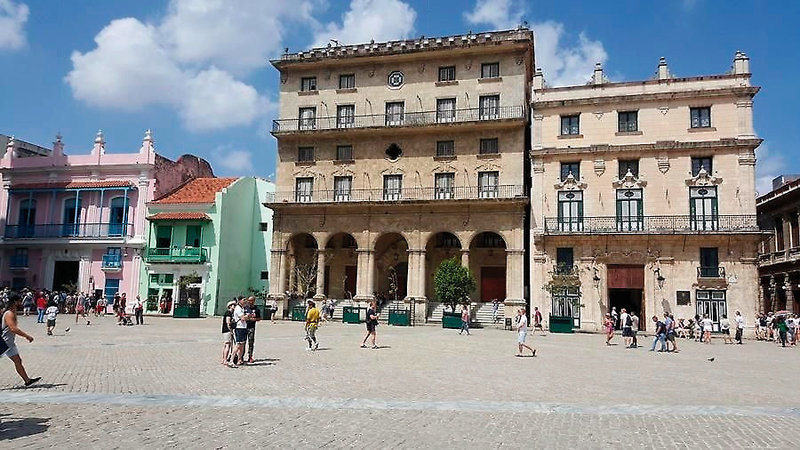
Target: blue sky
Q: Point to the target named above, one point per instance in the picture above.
(196, 71)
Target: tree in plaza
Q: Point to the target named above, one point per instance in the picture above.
(453, 283)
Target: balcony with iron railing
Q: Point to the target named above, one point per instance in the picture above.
(399, 194)
(18, 262)
(688, 224)
(112, 262)
(177, 255)
(68, 230)
(791, 255)
(711, 272)
(398, 120)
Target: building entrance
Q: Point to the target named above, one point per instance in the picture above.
(65, 275)
(631, 300)
(626, 290)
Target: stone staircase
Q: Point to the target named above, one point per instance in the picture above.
(481, 313)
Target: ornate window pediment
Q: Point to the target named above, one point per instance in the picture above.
(487, 167)
(570, 183)
(629, 181)
(703, 178)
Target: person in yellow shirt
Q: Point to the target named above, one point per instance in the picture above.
(312, 322)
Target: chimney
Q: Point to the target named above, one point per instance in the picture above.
(741, 63)
(597, 77)
(538, 80)
(58, 146)
(663, 69)
(99, 144)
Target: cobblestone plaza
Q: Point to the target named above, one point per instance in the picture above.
(161, 385)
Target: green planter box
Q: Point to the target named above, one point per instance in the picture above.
(299, 314)
(560, 324)
(451, 320)
(186, 312)
(352, 314)
(400, 317)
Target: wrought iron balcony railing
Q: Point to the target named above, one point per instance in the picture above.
(710, 272)
(652, 224)
(111, 261)
(405, 119)
(68, 230)
(18, 262)
(188, 255)
(398, 194)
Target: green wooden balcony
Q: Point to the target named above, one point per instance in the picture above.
(177, 255)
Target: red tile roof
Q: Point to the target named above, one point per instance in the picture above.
(74, 185)
(198, 190)
(179, 215)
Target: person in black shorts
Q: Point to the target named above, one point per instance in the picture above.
(372, 322)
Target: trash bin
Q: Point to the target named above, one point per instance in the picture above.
(352, 314)
(559, 324)
(400, 317)
(508, 324)
(299, 313)
(451, 319)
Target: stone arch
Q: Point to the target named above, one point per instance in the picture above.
(301, 253)
(391, 264)
(488, 262)
(440, 246)
(341, 266)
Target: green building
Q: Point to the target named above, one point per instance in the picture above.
(208, 241)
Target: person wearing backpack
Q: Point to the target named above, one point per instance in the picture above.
(627, 328)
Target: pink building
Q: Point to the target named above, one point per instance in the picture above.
(78, 221)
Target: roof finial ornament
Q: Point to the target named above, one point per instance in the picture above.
(148, 135)
(99, 138)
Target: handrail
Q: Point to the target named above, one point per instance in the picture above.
(404, 119)
(397, 195)
(710, 272)
(68, 230)
(177, 254)
(651, 224)
(111, 261)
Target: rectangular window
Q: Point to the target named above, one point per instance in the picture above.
(447, 73)
(308, 118)
(703, 208)
(565, 260)
(304, 189)
(489, 146)
(571, 125)
(701, 117)
(163, 236)
(19, 258)
(568, 168)
(704, 162)
(305, 154)
(392, 187)
(630, 211)
(709, 262)
(308, 84)
(395, 112)
(713, 303)
(488, 184)
(347, 81)
(445, 148)
(570, 211)
(628, 121)
(489, 107)
(263, 226)
(490, 70)
(342, 186)
(344, 152)
(444, 183)
(445, 110)
(345, 116)
(193, 235)
(628, 165)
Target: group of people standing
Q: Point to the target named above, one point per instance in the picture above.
(782, 328)
(239, 329)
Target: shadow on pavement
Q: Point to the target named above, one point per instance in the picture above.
(22, 427)
(35, 386)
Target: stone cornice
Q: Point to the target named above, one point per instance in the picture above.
(651, 147)
(748, 91)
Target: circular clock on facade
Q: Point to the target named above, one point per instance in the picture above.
(396, 79)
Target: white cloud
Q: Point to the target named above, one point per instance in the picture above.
(500, 14)
(769, 165)
(188, 60)
(13, 17)
(562, 63)
(236, 162)
(381, 20)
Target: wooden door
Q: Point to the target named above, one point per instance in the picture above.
(493, 283)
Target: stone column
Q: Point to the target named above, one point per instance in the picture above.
(281, 285)
(422, 274)
(465, 258)
(514, 276)
(744, 112)
(787, 287)
(320, 294)
(788, 232)
(365, 275)
(370, 274)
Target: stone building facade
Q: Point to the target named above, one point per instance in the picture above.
(779, 259)
(394, 156)
(643, 196)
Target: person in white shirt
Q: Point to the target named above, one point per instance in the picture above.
(240, 332)
(634, 329)
(739, 326)
(51, 312)
(522, 332)
(708, 326)
(627, 324)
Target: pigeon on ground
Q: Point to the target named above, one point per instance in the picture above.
(711, 359)
(66, 330)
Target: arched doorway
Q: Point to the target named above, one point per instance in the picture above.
(391, 264)
(440, 246)
(341, 266)
(302, 267)
(487, 256)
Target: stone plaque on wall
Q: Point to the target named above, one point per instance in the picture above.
(683, 298)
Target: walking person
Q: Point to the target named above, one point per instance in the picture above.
(522, 333)
(495, 308)
(634, 330)
(227, 334)
(255, 316)
(372, 323)
(779, 323)
(660, 336)
(669, 326)
(464, 320)
(725, 329)
(708, 327)
(27, 302)
(608, 327)
(537, 320)
(627, 323)
(312, 323)
(51, 312)
(41, 305)
(240, 331)
(138, 310)
(739, 326)
(80, 309)
(273, 306)
(8, 331)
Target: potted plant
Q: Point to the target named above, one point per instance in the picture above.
(453, 284)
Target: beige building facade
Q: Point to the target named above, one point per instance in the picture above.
(395, 156)
(643, 197)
